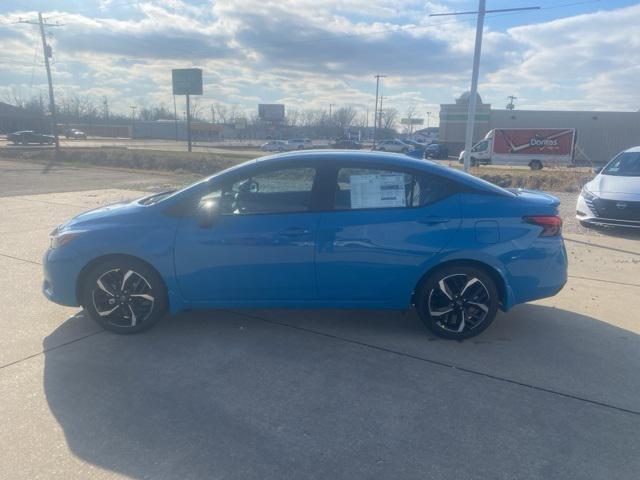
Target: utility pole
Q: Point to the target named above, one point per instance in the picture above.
(330, 121)
(133, 117)
(213, 114)
(175, 116)
(471, 114)
(105, 104)
(511, 105)
(428, 118)
(375, 111)
(52, 103)
(188, 124)
(46, 48)
(380, 113)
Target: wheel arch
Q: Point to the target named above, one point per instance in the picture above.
(494, 274)
(111, 256)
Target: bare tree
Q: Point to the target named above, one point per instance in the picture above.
(343, 117)
(389, 117)
(221, 112)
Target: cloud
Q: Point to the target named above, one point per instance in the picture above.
(309, 53)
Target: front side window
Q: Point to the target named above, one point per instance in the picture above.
(480, 147)
(360, 188)
(278, 191)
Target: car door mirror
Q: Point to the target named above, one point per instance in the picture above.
(597, 170)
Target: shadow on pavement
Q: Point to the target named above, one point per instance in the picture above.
(221, 394)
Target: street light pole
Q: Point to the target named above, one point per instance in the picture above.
(471, 114)
(375, 111)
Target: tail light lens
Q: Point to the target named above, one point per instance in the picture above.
(551, 224)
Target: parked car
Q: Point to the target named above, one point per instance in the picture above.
(299, 143)
(25, 137)
(414, 143)
(74, 133)
(314, 229)
(275, 146)
(613, 197)
(396, 145)
(345, 144)
(436, 150)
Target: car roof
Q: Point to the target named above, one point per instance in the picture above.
(633, 149)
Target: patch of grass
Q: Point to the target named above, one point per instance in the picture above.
(554, 180)
(200, 163)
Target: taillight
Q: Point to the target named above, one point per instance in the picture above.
(551, 224)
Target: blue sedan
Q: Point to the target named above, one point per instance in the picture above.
(314, 229)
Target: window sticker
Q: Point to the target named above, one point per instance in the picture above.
(377, 190)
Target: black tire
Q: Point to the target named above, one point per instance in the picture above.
(535, 165)
(465, 289)
(474, 162)
(124, 295)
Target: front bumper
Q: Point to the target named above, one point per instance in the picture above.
(587, 213)
(61, 268)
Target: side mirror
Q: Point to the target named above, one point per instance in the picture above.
(597, 170)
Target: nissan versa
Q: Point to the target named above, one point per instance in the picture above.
(314, 229)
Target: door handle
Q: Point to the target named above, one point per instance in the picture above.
(433, 220)
(294, 232)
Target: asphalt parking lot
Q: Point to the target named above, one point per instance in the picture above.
(550, 390)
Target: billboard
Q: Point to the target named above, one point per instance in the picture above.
(412, 121)
(186, 81)
(271, 111)
(529, 141)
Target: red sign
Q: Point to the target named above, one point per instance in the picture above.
(541, 141)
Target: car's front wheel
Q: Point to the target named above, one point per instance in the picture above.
(124, 295)
(457, 302)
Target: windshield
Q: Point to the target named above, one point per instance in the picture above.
(627, 164)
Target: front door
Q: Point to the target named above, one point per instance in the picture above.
(260, 245)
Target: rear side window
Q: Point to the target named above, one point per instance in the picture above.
(362, 188)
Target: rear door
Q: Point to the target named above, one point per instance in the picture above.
(385, 225)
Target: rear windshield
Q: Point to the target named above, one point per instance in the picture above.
(627, 164)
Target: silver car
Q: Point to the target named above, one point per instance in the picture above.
(613, 197)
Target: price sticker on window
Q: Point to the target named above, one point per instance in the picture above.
(378, 190)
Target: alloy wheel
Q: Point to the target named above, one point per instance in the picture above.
(123, 297)
(459, 303)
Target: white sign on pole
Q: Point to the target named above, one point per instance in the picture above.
(377, 190)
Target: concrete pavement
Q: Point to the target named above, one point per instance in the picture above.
(550, 390)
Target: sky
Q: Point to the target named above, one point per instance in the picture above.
(307, 54)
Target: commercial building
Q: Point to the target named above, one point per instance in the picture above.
(600, 135)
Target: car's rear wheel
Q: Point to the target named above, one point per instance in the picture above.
(535, 165)
(124, 295)
(457, 302)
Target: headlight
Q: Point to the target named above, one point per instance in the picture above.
(586, 194)
(60, 239)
